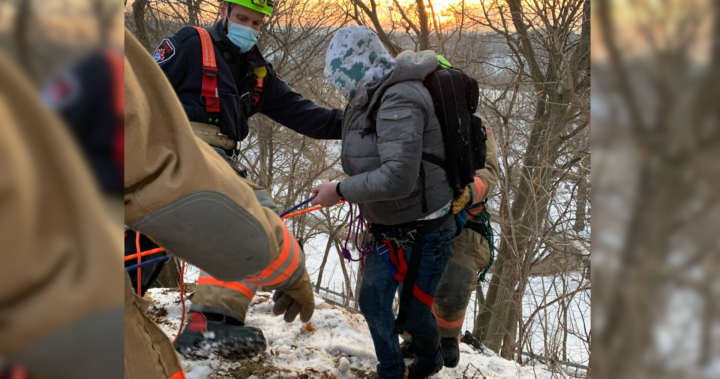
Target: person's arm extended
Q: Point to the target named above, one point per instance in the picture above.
(185, 197)
(400, 124)
(289, 108)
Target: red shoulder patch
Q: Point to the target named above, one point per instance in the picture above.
(164, 51)
(62, 90)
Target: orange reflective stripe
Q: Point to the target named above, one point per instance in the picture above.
(448, 324)
(289, 243)
(477, 190)
(231, 285)
(480, 194)
(178, 375)
(207, 46)
(475, 211)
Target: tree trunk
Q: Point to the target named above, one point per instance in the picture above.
(424, 37)
(483, 320)
(358, 282)
(581, 200)
(139, 8)
(479, 304)
(192, 9)
(169, 277)
(508, 347)
(22, 35)
(322, 265)
(348, 286)
(104, 13)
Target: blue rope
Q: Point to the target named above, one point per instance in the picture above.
(154, 260)
(296, 207)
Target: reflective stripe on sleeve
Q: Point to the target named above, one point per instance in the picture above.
(283, 267)
(448, 324)
(246, 288)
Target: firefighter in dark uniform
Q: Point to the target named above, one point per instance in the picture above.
(88, 96)
(222, 79)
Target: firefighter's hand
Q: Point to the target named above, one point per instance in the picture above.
(326, 194)
(460, 199)
(294, 300)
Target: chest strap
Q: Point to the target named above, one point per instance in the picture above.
(209, 90)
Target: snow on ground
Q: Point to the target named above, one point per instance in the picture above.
(336, 345)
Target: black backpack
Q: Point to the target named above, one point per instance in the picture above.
(455, 97)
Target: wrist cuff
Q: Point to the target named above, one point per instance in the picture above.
(337, 190)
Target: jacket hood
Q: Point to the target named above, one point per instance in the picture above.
(412, 66)
(409, 66)
(355, 60)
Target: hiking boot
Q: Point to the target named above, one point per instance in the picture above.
(451, 351)
(469, 339)
(407, 349)
(208, 333)
(415, 372)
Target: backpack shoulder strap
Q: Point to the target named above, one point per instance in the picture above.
(209, 90)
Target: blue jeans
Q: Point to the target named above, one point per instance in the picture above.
(377, 292)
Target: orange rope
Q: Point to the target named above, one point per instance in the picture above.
(139, 259)
(182, 301)
(311, 209)
(145, 253)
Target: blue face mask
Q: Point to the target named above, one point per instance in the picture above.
(242, 36)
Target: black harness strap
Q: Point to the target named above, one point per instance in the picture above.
(423, 198)
(409, 284)
(418, 231)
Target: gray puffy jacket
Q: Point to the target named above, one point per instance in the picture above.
(384, 167)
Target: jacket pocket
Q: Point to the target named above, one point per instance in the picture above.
(394, 114)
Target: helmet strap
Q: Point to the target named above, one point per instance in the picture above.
(227, 14)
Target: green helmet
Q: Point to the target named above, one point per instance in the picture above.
(444, 62)
(263, 6)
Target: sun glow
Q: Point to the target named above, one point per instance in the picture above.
(443, 10)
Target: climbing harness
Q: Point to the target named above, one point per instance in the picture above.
(250, 92)
(392, 243)
(395, 240)
(209, 90)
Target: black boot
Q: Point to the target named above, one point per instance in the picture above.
(417, 373)
(451, 351)
(407, 349)
(208, 333)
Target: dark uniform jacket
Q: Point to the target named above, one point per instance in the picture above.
(180, 57)
(88, 97)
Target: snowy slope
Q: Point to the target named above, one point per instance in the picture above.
(337, 346)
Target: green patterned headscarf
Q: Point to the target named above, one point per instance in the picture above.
(356, 60)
